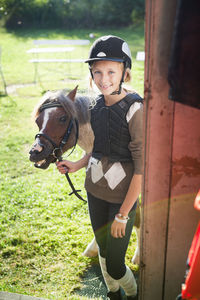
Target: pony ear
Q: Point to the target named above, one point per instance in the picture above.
(72, 94)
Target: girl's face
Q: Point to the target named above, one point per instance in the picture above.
(107, 75)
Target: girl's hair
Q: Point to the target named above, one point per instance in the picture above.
(128, 75)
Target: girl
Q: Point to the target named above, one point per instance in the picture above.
(114, 168)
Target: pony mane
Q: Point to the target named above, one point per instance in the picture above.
(77, 109)
(56, 97)
(83, 106)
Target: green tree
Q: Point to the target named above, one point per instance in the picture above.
(71, 13)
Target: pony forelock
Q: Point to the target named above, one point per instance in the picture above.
(54, 97)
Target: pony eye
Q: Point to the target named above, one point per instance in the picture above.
(63, 119)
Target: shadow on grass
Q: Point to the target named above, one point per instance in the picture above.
(132, 33)
(47, 33)
(3, 94)
(93, 284)
(6, 100)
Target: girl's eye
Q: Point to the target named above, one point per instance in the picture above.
(96, 72)
(111, 72)
(63, 119)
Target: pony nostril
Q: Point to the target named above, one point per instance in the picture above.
(31, 152)
(34, 152)
(36, 149)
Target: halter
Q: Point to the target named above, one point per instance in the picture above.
(58, 149)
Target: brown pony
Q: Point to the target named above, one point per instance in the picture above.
(53, 115)
(63, 121)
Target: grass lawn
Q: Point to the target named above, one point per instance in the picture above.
(43, 231)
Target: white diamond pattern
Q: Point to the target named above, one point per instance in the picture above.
(113, 176)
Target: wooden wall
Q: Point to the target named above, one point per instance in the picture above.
(171, 169)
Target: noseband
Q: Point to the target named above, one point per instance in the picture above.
(58, 149)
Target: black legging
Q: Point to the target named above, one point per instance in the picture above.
(102, 214)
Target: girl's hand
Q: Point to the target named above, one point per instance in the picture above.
(70, 166)
(118, 229)
(66, 166)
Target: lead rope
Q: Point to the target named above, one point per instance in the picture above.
(62, 144)
(74, 191)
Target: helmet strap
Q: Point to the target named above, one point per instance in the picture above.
(121, 81)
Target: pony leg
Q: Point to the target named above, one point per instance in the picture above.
(137, 216)
(136, 257)
(91, 249)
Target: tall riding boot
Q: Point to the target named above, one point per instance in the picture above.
(111, 283)
(114, 295)
(128, 283)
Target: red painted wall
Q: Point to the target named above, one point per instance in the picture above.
(171, 169)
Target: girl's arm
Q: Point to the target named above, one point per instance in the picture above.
(135, 123)
(70, 166)
(117, 228)
(132, 194)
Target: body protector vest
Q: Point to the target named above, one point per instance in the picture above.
(111, 130)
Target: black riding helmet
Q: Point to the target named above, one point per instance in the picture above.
(111, 48)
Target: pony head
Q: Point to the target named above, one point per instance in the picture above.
(54, 114)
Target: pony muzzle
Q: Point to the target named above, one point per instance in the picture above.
(36, 148)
